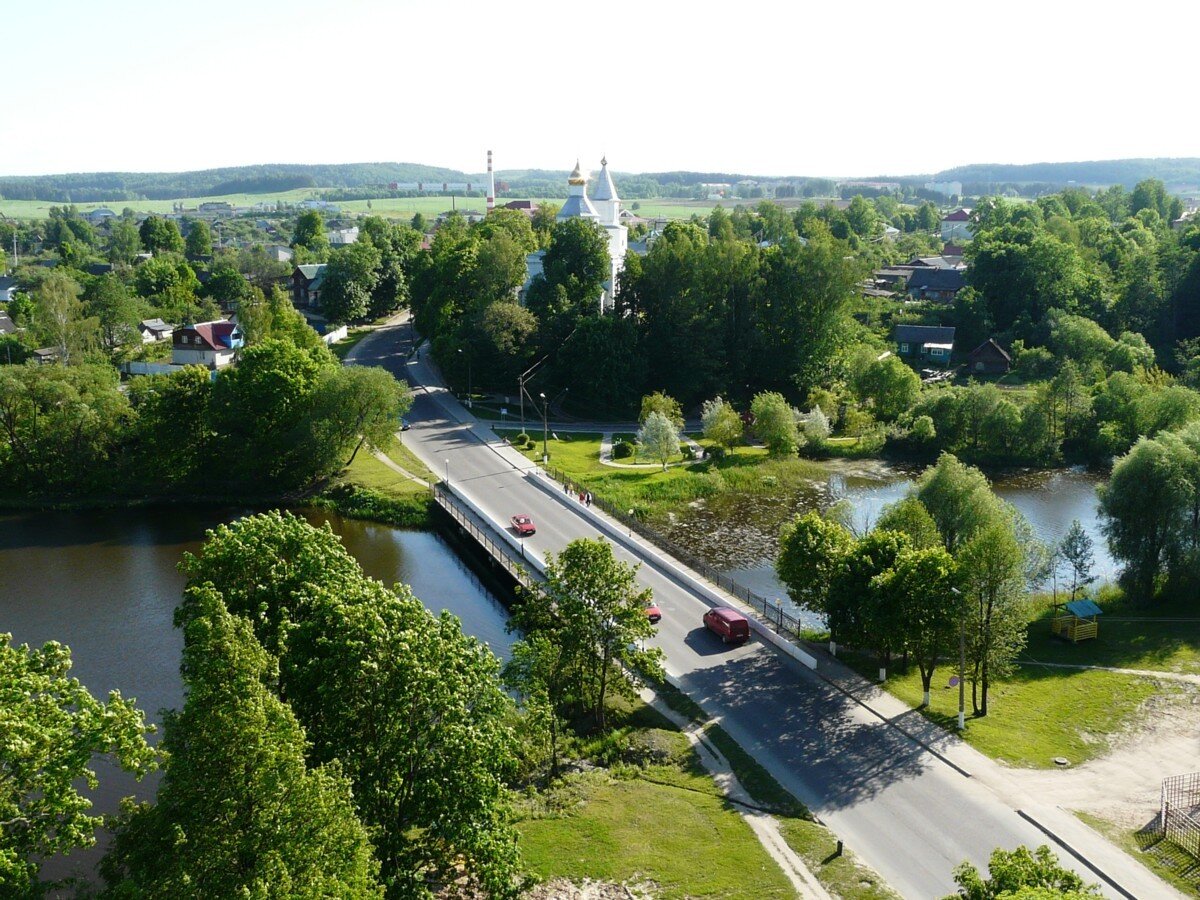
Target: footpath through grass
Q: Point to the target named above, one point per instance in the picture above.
(370, 489)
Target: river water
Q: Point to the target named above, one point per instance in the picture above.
(740, 534)
(105, 583)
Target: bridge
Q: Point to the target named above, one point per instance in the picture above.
(911, 800)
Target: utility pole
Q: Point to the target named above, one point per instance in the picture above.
(521, 381)
(962, 661)
(545, 428)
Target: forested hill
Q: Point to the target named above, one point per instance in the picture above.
(1127, 172)
(263, 179)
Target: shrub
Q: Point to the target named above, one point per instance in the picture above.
(521, 439)
(622, 450)
(687, 451)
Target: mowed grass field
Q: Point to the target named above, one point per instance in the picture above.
(390, 207)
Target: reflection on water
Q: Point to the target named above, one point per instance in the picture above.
(740, 534)
(105, 583)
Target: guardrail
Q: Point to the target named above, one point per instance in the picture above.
(771, 610)
(457, 511)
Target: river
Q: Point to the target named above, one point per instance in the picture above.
(740, 534)
(105, 583)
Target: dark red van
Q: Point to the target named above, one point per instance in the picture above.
(730, 624)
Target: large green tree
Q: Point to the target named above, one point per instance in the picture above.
(54, 732)
(353, 407)
(60, 319)
(160, 235)
(1022, 874)
(408, 703)
(592, 607)
(239, 813)
(351, 277)
(261, 412)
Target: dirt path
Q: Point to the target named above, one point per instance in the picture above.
(1123, 786)
(396, 467)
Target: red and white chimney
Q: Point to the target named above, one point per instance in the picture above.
(491, 190)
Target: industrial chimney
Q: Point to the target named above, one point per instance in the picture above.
(491, 190)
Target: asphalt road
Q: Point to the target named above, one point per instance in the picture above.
(900, 808)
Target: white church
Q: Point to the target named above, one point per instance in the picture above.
(604, 208)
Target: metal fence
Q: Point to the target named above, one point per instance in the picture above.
(451, 504)
(771, 611)
(1179, 813)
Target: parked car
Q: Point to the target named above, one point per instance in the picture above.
(653, 613)
(405, 425)
(729, 624)
(523, 525)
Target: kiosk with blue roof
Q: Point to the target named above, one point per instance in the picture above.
(1076, 621)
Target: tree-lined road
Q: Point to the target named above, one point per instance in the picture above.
(899, 806)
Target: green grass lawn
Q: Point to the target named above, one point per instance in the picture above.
(1175, 866)
(652, 492)
(349, 342)
(653, 826)
(368, 472)
(650, 821)
(1144, 644)
(1035, 715)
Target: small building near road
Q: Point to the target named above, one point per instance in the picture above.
(927, 343)
(154, 330)
(7, 326)
(99, 214)
(278, 252)
(8, 287)
(342, 237)
(306, 285)
(213, 345)
(989, 358)
(46, 356)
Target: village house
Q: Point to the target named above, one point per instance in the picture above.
(154, 330)
(213, 345)
(8, 287)
(926, 343)
(956, 226)
(937, 284)
(989, 358)
(306, 285)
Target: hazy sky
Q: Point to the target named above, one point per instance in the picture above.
(842, 87)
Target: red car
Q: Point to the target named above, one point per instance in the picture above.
(523, 526)
(653, 613)
(729, 624)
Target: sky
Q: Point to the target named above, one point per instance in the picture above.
(831, 88)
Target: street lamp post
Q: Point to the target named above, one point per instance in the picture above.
(962, 661)
(545, 428)
(447, 471)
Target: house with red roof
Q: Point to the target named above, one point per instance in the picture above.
(956, 226)
(213, 345)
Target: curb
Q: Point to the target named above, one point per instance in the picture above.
(1045, 829)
